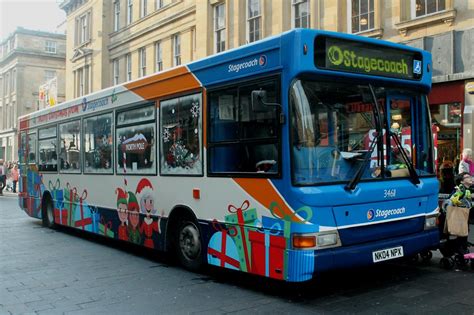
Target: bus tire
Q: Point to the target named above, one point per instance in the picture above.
(189, 245)
(48, 212)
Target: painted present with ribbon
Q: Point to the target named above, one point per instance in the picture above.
(222, 251)
(243, 220)
(60, 214)
(268, 253)
(105, 228)
(95, 216)
(82, 214)
(70, 202)
(284, 223)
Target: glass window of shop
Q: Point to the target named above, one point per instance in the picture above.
(446, 120)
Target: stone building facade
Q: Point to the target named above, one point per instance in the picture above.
(27, 60)
(115, 41)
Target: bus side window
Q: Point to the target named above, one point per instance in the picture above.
(244, 139)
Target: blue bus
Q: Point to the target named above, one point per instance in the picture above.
(298, 154)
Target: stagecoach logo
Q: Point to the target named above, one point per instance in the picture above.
(261, 61)
(371, 214)
(100, 102)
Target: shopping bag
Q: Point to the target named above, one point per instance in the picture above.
(457, 220)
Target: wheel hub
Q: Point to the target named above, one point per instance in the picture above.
(189, 242)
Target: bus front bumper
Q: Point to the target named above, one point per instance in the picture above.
(362, 254)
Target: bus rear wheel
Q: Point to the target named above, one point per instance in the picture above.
(48, 213)
(189, 245)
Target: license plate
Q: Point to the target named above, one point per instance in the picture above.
(386, 254)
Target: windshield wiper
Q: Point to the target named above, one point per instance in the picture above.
(377, 140)
(415, 179)
(355, 180)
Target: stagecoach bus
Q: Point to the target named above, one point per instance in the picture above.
(297, 154)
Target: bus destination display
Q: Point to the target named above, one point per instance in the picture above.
(357, 57)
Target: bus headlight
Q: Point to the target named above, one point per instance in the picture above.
(316, 240)
(431, 222)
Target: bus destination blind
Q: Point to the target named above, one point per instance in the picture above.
(363, 58)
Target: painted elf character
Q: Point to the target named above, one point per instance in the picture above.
(147, 207)
(122, 214)
(134, 234)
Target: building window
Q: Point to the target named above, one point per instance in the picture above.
(128, 61)
(158, 57)
(159, 4)
(176, 50)
(7, 84)
(300, 13)
(116, 15)
(219, 27)
(362, 15)
(80, 82)
(143, 8)
(13, 80)
(50, 47)
(254, 20)
(142, 56)
(129, 11)
(425, 7)
(49, 74)
(116, 71)
(83, 28)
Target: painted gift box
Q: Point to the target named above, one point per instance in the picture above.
(82, 214)
(222, 251)
(105, 228)
(242, 220)
(60, 214)
(69, 203)
(298, 264)
(95, 216)
(268, 253)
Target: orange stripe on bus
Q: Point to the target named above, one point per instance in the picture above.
(264, 192)
(174, 81)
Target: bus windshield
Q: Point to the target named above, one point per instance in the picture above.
(334, 124)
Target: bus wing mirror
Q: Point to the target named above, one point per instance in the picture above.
(259, 104)
(259, 98)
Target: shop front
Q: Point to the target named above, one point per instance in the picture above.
(447, 104)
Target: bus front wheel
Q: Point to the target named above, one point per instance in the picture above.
(48, 213)
(189, 245)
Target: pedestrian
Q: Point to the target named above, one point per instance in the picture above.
(466, 165)
(462, 198)
(15, 176)
(3, 177)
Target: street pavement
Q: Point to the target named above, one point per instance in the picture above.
(44, 271)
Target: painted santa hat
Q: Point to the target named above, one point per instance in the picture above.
(144, 187)
(121, 196)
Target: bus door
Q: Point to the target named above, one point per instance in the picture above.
(400, 114)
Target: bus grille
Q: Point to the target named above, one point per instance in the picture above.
(374, 232)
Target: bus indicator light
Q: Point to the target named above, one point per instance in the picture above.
(304, 241)
(196, 193)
